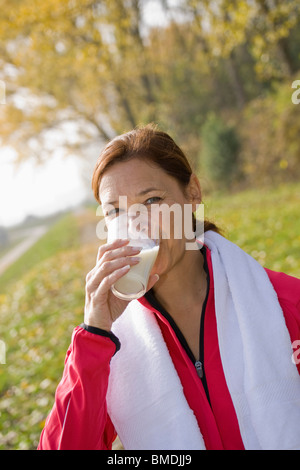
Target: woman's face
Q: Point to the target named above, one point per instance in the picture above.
(143, 182)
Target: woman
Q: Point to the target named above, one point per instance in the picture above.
(204, 359)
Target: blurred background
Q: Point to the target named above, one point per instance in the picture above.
(221, 77)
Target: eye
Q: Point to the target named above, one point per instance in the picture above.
(153, 200)
(112, 212)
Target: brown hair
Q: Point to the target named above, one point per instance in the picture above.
(146, 143)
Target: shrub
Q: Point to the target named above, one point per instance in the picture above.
(220, 151)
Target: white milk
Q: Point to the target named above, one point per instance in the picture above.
(134, 283)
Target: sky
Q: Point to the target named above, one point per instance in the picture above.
(40, 190)
(55, 185)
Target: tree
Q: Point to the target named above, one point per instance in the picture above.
(220, 151)
(272, 26)
(78, 62)
(81, 71)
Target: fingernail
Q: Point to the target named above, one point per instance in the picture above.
(135, 249)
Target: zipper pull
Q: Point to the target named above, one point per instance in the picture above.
(199, 369)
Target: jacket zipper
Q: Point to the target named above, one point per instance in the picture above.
(199, 369)
(199, 365)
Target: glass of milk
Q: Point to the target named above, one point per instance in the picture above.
(134, 283)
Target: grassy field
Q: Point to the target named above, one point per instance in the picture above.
(42, 296)
(61, 236)
(265, 223)
(41, 301)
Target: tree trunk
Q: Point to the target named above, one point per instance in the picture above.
(235, 81)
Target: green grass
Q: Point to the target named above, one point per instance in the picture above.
(43, 298)
(38, 312)
(265, 223)
(59, 237)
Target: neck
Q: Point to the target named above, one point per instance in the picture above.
(188, 277)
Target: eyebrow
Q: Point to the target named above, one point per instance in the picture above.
(141, 193)
(146, 191)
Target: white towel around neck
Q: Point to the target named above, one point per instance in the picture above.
(145, 397)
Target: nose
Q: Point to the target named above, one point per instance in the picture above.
(138, 220)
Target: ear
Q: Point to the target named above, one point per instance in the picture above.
(194, 191)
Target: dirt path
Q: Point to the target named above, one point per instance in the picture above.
(15, 253)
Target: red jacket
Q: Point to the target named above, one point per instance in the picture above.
(79, 418)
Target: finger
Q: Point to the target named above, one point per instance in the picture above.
(109, 252)
(110, 246)
(120, 252)
(108, 267)
(109, 280)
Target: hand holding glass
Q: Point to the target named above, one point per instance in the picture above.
(133, 284)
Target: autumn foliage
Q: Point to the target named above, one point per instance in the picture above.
(82, 71)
